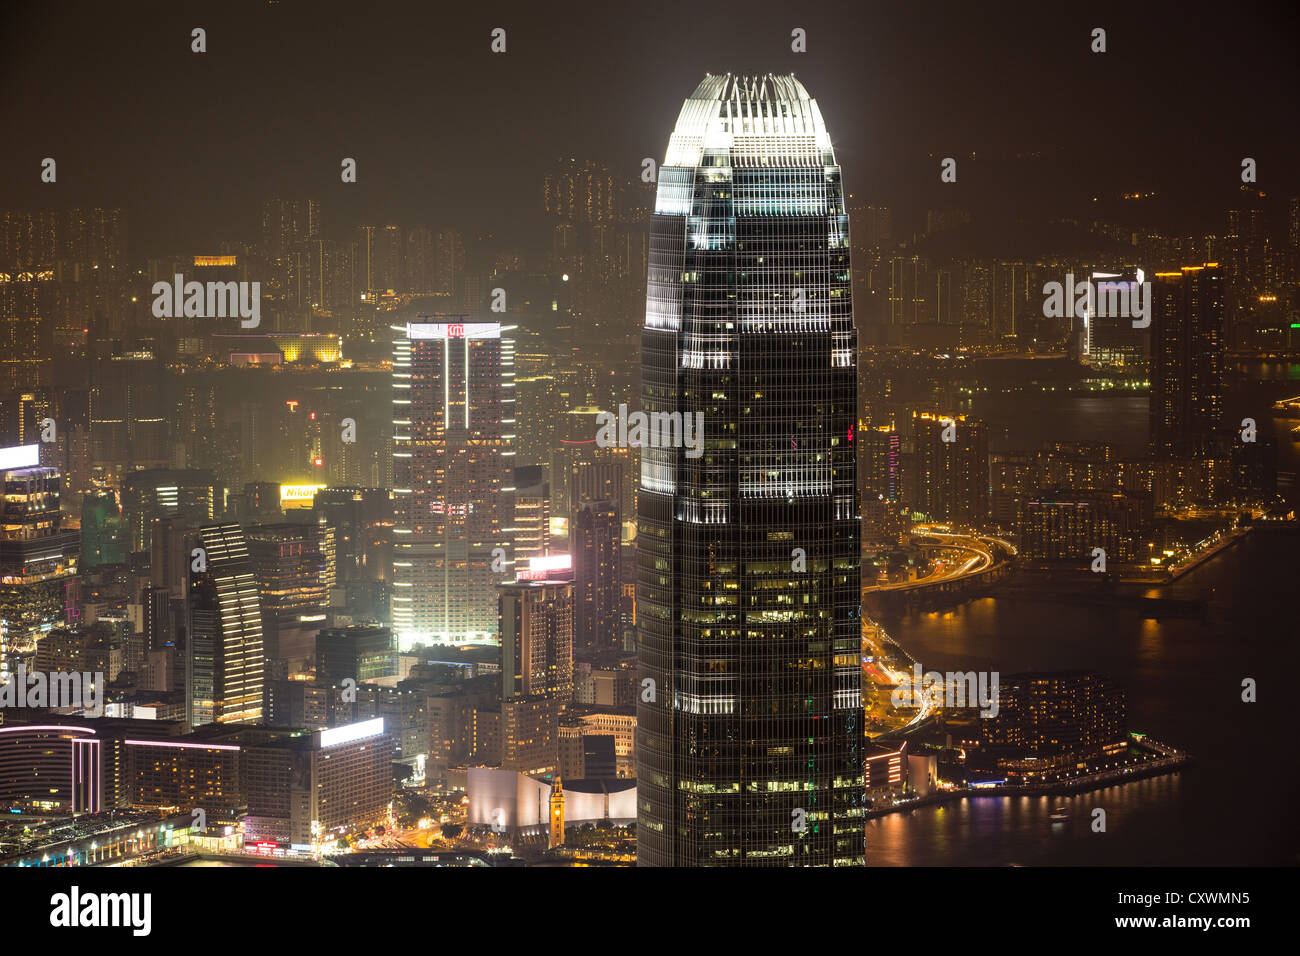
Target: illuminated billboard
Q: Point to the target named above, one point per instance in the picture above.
(453, 330)
(352, 732)
(20, 456)
(299, 496)
(549, 566)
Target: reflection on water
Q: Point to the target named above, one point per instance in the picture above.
(1236, 804)
(1183, 677)
(213, 863)
(1002, 831)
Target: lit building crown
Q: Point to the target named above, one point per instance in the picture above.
(748, 117)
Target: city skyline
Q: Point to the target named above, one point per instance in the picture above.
(899, 107)
(665, 438)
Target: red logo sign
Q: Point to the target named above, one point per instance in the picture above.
(455, 331)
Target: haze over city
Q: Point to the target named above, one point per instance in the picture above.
(669, 436)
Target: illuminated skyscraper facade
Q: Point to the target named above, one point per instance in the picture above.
(537, 639)
(38, 557)
(453, 416)
(749, 717)
(225, 664)
(292, 562)
(531, 532)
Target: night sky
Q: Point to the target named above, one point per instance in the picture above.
(445, 132)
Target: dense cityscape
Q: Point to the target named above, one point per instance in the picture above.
(716, 508)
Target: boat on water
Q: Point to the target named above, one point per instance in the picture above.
(1060, 813)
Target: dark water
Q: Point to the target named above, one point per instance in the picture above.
(1019, 421)
(1237, 805)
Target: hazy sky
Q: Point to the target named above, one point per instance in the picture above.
(444, 131)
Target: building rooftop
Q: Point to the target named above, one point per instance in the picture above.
(749, 116)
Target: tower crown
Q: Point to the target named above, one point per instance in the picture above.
(749, 117)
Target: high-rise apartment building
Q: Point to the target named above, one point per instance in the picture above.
(580, 191)
(1187, 346)
(379, 258)
(1066, 526)
(594, 533)
(1049, 720)
(449, 262)
(130, 424)
(536, 639)
(287, 224)
(951, 468)
(453, 414)
(81, 241)
(420, 261)
(750, 721)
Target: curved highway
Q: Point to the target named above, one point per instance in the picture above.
(983, 558)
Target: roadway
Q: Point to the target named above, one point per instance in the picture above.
(983, 551)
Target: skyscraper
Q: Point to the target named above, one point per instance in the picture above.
(1109, 338)
(1048, 720)
(101, 530)
(597, 479)
(191, 495)
(225, 666)
(361, 652)
(292, 569)
(38, 557)
(951, 476)
(580, 191)
(1187, 346)
(749, 717)
(129, 423)
(531, 531)
(287, 223)
(453, 415)
(449, 262)
(594, 532)
(536, 639)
